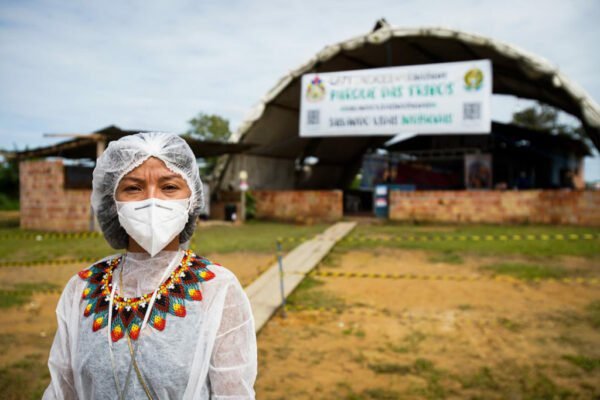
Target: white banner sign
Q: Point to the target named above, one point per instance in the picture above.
(433, 98)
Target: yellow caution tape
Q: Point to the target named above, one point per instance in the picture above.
(51, 235)
(501, 237)
(471, 278)
(36, 263)
(361, 310)
(28, 293)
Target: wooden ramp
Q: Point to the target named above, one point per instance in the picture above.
(265, 293)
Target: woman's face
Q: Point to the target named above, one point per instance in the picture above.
(152, 179)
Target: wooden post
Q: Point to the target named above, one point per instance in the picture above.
(100, 146)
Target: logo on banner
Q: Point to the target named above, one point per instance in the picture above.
(473, 79)
(315, 90)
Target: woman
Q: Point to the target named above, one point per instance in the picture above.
(157, 321)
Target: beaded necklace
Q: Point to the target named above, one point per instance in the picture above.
(128, 313)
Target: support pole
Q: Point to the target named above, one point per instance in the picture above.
(280, 262)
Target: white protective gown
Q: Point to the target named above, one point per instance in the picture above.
(209, 353)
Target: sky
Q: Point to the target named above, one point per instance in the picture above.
(79, 66)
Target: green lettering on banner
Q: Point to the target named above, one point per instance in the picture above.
(352, 94)
(393, 91)
(427, 119)
(430, 90)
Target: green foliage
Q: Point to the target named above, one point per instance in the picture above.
(410, 343)
(307, 296)
(540, 116)
(529, 248)
(27, 249)
(8, 203)
(510, 324)
(585, 363)
(8, 299)
(250, 205)
(526, 272)
(593, 313)
(21, 293)
(24, 379)
(426, 369)
(9, 219)
(209, 127)
(9, 185)
(253, 236)
(390, 368)
(482, 379)
(544, 117)
(536, 385)
(355, 184)
(370, 393)
(381, 394)
(446, 257)
(354, 330)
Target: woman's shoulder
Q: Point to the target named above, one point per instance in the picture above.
(96, 267)
(220, 272)
(214, 266)
(90, 272)
(78, 282)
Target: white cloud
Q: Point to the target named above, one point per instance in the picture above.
(79, 66)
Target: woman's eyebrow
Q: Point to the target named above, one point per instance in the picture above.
(132, 178)
(167, 177)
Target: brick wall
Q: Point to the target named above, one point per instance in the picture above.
(217, 207)
(302, 206)
(529, 206)
(45, 203)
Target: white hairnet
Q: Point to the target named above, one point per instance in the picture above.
(122, 156)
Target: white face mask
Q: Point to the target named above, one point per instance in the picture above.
(153, 223)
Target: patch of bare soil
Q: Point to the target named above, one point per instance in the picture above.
(27, 330)
(246, 266)
(433, 339)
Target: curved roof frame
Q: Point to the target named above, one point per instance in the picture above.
(516, 71)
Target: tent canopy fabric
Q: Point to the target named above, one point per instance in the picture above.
(273, 123)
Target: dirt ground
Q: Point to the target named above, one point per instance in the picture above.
(432, 339)
(369, 338)
(27, 330)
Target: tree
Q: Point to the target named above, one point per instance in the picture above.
(9, 185)
(208, 127)
(544, 117)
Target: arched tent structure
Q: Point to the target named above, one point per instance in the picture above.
(273, 124)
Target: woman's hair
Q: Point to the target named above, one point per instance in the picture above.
(121, 157)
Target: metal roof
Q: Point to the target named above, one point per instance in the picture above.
(516, 72)
(85, 146)
(273, 123)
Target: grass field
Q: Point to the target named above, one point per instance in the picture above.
(253, 236)
(384, 234)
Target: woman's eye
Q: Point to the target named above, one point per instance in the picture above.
(131, 188)
(170, 187)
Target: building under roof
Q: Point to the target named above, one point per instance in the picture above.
(55, 185)
(273, 124)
